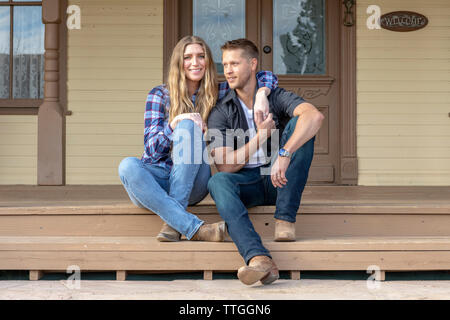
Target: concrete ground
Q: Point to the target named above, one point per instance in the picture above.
(223, 290)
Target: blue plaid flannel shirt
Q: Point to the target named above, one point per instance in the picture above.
(158, 133)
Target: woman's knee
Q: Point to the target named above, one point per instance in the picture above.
(128, 166)
(186, 124)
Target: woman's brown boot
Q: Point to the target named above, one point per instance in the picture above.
(214, 232)
(168, 234)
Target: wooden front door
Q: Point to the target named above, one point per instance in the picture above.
(305, 43)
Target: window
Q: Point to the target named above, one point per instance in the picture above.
(21, 52)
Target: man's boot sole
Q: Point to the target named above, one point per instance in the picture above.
(284, 239)
(164, 237)
(248, 275)
(271, 277)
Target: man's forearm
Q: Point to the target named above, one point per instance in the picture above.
(236, 160)
(308, 124)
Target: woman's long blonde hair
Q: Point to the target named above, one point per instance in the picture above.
(180, 101)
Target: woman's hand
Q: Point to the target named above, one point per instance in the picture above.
(190, 116)
(262, 102)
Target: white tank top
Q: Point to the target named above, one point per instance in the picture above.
(257, 159)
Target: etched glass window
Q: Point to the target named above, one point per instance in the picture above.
(299, 36)
(217, 21)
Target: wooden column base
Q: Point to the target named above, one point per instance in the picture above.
(380, 276)
(51, 145)
(121, 275)
(36, 275)
(207, 275)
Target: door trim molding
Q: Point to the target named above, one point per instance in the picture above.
(349, 161)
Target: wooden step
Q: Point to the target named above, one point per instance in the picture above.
(127, 220)
(151, 244)
(324, 212)
(124, 254)
(339, 228)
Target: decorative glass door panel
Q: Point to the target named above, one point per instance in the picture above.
(217, 21)
(300, 42)
(299, 37)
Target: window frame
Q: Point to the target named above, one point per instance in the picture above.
(13, 106)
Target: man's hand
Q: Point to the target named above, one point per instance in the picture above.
(191, 116)
(278, 171)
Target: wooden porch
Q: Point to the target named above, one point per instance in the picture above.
(48, 229)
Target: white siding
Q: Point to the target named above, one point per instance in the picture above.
(18, 149)
(113, 62)
(403, 94)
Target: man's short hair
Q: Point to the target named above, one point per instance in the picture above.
(249, 48)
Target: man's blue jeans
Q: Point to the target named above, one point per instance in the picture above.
(168, 192)
(235, 192)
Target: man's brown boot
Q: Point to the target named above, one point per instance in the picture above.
(214, 232)
(168, 234)
(260, 268)
(284, 230)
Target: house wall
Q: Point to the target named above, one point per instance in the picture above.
(18, 149)
(403, 97)
(113, 62)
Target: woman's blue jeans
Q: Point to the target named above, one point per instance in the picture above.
(168, 192)
(235, 192)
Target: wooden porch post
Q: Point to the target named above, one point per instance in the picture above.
(51, 117)
(349, 159)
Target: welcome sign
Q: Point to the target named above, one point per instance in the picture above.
(403, 21)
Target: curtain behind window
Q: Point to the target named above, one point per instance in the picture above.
(4, 52)
(28, 50)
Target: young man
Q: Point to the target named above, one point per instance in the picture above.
(240, 184)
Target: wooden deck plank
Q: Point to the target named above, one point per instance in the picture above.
(128, 208)
(150, 244)
(338, 228)
(112, 196)
(306, 226)
(224, 261)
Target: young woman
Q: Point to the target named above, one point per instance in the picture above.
(172, 172)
